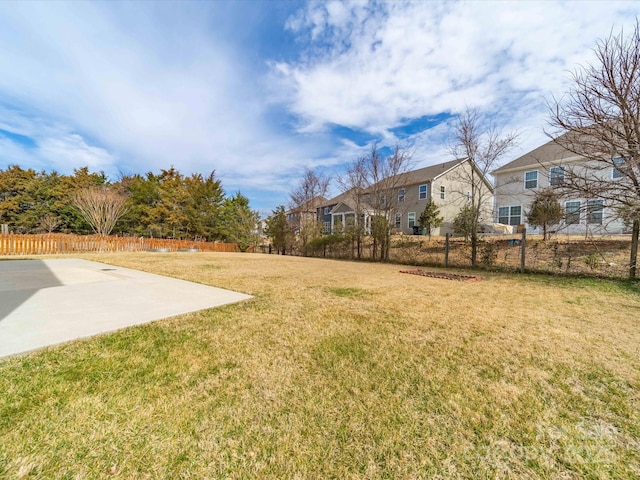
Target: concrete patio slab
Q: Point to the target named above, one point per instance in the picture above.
(47, 302)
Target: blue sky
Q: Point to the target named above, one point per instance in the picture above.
(259, 91)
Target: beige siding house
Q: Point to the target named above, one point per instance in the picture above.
(517, 182)
(446, 183)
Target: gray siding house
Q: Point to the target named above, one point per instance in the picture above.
(517, 182)
(446, 183)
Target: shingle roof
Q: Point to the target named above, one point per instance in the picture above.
(426, 174)
(549, 152)
(315, 203)
(413, 177)
(343, 197)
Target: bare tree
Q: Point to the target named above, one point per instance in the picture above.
(50, 222)
(386, 179)
(101, 207)
(354, 183)
(484, 145)
(305, 197)
(599, 120)
(371, 184)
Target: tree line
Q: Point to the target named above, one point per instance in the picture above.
(167, 204)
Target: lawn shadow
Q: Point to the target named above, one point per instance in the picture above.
(20, 279)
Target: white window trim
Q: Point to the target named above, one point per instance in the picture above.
(411, 215)
(426, 191)
(578, 212)
(401, 195)
(537, 179)
(614, 169)
(560, 176)
(509, 214)
(398, 221)
(442, 192)
(601, 210)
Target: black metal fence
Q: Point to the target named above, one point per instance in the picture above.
(601, 256)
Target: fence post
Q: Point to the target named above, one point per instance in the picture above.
(446, 250)
(524, 248)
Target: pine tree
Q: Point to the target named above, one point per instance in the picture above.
(279, 230)
(545, 211)
(430, 218)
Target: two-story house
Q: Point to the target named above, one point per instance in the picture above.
(301, 215)
(446, 183)
(549, 166)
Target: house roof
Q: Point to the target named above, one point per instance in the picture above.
(311, 207)
(343, 197)
(547, 153)
(414, 177)
(427, 174)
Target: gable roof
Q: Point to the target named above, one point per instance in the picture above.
(427, 174)
(311, 207)
(547, 153)
(413, 177)
(342, 198)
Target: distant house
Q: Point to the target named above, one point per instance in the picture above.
(549, 165)
(445, 183)
(303, 214)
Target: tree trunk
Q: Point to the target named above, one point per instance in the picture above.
(633, 258)
(474, 248)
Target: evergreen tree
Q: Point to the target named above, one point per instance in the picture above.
(279, 230)
(545, 211)
(430, 218)
(463, 223)
(237, 223)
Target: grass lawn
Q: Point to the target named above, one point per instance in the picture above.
(339, 370)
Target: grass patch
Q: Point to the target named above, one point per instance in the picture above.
(347, 292)
(511, 377)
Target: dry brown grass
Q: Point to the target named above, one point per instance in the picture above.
(340, 370)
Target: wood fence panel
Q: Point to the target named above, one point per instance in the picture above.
(56, 243)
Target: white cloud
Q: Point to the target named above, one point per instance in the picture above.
(409, 59)
(134, 87)
(170, 95)
(72, 150)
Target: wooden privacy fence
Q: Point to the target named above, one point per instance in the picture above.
(16, 244)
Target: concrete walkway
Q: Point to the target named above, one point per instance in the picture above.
(47, 302)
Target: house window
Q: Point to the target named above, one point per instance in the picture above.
(510, 215)
(327, 227)
(383, 199)
(350, 219)
(422, 192)
(617, 170)
(398, 220)
(442, 192)
(531, 179)
(557, 176)
(401, 195)
(468, 196)
(594, 211)
(411, 219)
(572, 212)
(325, 211)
